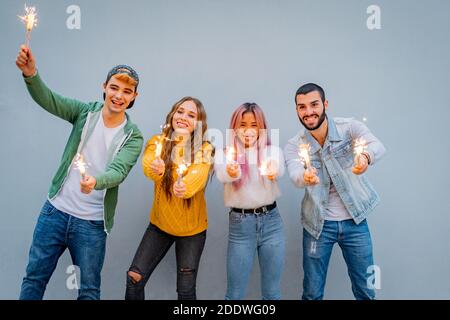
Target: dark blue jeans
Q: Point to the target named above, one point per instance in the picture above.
(55, 231)
(152, 249)
(356, 246)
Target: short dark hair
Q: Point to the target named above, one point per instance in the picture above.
(310, 87)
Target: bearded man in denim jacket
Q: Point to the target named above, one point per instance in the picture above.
(338, 196)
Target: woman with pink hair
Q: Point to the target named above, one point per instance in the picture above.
(249, 168)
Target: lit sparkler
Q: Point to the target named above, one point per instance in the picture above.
(304, 155)
(359, 148)
(158, 149)
(30, 21)
(181, 169)
(80, 164)
(230, 155)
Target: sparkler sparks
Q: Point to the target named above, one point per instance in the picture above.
(304, 155)
(359, 147)
(181, 169)
(81, 165)
(30, 21)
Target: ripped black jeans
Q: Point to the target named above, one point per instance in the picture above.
(153, 247)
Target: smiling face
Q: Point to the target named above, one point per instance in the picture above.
(311, 110)
(119, 93)
(184, 119)
(248, 131)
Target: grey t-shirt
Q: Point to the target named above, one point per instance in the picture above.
(70, 199)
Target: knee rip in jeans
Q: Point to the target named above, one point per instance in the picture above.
(187, 271)
(134, 276)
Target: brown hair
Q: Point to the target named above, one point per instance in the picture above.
(195, 145)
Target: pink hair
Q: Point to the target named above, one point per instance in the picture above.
(261, 144)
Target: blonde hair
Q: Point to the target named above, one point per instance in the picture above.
(125, 78)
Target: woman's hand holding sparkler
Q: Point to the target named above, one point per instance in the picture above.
(272, 170)
(233, 170)
(158, 166)
(179, 188)
(269, 168)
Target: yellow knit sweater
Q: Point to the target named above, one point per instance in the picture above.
(173, 215)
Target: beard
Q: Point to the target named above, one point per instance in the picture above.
(322, 118)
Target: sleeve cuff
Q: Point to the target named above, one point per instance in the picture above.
(370, 154)
(31, 79)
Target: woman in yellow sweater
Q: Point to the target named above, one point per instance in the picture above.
(179, 162)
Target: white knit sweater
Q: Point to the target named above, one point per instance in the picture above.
(257, 190)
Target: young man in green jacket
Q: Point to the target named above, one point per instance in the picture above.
(79, 211)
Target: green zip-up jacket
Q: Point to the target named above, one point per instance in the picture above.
(122, 155)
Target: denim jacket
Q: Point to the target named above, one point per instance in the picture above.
(334, 161)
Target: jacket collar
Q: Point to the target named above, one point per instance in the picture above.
(332, 136)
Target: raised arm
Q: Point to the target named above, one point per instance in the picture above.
(62, 107)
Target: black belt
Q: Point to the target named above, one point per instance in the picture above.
(263, 209)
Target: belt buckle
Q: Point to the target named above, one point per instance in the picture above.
(264, 210)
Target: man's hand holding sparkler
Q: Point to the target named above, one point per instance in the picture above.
(25, 61)
(362, 164)
(87, 184)
(362, 158)
(310, 176)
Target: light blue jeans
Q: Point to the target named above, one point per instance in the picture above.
(55, 231)
(248, 234)
(356, 246)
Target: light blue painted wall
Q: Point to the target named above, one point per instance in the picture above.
(226, 53)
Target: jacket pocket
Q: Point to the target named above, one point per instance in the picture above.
(316, 164)
(343, 153)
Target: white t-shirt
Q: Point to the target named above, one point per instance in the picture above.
(336, 210)
(70, 199)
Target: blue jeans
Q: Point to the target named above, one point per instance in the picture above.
(356, 246)
(55, 231)
(248, 234)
